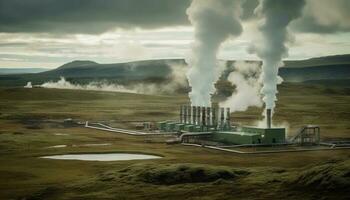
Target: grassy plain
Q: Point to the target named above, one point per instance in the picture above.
(31, 121)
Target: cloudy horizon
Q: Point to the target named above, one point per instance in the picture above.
(49, 33)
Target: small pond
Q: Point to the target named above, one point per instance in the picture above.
(103, 157)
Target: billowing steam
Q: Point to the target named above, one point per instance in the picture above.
(276, 16)
(214, 21)
(97, 86)
(176, 81)
(245, 78)
(29, 85)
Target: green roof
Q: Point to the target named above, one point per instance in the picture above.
(239, 133)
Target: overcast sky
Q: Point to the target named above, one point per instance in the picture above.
(49, 33)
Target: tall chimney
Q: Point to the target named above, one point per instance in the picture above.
(194, 117)
(185, 114)
(198, 115)
(268, 118)
(222, 117)
(181, 114)
(214, 115)
(189, 114)
(203, 116)
(208, 116)
(228, 118)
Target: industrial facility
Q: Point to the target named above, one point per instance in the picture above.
(214, 124)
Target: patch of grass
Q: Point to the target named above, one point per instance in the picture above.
(207, 174)
(331, 175)
(183, 173)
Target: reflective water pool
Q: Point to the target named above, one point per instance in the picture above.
(103, 157)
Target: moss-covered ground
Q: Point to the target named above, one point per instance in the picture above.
(31, 121)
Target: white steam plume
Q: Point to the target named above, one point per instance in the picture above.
(276, 16)
(214, 21)
(97, 86)
(176, 80)
(245, 78)
(29, 85)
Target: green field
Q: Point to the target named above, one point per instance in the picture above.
(32, 120)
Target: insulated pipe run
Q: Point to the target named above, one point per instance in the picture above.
(268, 118)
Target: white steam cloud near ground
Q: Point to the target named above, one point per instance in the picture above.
(176, 81)
(214, 21)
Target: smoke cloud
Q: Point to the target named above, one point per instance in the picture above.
(276, 16)
(245, 78)
(214, 22)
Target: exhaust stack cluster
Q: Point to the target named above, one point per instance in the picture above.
(205, 116)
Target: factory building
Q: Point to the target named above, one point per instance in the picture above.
(217, 122)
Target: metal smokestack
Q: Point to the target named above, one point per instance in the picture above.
(203, 117)
(228, 117)
(194, 117)
(208, 116)
(268, 118)
(215, 113)
(198, 115)
(185, 114)
(181, 114)
(222, 117)
(189, 114)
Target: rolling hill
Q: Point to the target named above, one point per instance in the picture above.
(314, 69)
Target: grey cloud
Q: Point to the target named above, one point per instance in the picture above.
(12, 44)
(89, 16)
(319, 16)
(324, 16)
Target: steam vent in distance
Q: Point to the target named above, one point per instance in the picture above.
(214, 124)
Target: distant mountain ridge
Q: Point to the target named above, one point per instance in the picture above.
(6, 71)
(322, 68)
(319, 61)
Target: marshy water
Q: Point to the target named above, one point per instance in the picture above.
(103, 157)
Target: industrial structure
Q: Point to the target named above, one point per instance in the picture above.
(214, 123)
(308, 135)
